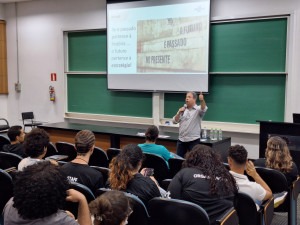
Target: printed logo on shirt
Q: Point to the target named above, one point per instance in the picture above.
(72, 179)
(197, 175)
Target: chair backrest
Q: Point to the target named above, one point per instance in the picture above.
(65, 148)
(3, 141)
(176, 212)
(105, 172)
(161, 169)
(112, 152)
(51, 150)
(4, 126)
(175, 165)
(274, 178)
(6, 188)
(73, 206)
(246, 210)
(8, 160)
(139, 215)
(98, 158)
(27, 116)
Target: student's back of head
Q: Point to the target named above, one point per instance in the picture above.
(151, 133)
(110, 208)
(39, 190)
(36, 142)
(238, 154)
(84, 141)
(123, 165)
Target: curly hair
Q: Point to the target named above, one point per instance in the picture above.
(39, 190)
(278, 155)
(239, 154)
(84, 141)
(110, 208)
(208, 162)
(151, 133)
(35, 142)
(122, 166)
(13, 132)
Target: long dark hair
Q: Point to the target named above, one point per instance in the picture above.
(123, 165)
(208, 162)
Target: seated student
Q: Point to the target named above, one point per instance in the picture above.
(78, 170)
(35, 147)
(110, 208)
(40, 191)
(124, 174)
(16, 136)
(204, 181)
(238, 163)
(278, 157)
(149, 146)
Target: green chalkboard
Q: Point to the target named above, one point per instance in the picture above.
(87, 51)
(89, 94)
(232, 99)
(251, 46)
(241, 48)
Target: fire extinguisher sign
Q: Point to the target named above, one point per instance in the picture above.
(53, 76)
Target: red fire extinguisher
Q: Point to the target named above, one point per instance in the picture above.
(52, 93)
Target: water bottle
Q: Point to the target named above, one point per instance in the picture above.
(204, 133)
(220, 134)
(215, 134)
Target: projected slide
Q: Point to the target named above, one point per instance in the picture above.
(171, 45)
(158, 47)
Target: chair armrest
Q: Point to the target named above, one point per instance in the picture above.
(230, 217)
(5, 121)
(295, 190)
(268, 211)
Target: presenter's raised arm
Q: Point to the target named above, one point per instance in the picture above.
(202, 101)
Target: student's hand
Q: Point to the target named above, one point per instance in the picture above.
(250, 169)
(70, 214)
(143, 172)
(201, 97)
(53, 162)
(74, 196)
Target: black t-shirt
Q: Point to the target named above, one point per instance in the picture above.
(83, 174)
(143, 187)
(290, 176)
(189, 184)
(15, 148)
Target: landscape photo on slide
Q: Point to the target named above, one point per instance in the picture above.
(172, 45)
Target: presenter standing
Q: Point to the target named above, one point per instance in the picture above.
(189, 118)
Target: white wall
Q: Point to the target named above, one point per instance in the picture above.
(3, 98)
(40, 26)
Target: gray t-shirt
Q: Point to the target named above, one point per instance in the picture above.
(12, 217)
(190, 123)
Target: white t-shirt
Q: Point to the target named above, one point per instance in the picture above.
(253, 189)
(27, 162)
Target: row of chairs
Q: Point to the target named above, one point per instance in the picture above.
(161, 210)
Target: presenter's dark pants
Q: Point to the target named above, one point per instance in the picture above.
(184, 147)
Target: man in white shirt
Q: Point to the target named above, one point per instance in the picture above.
(237, 160)
(189, 118)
